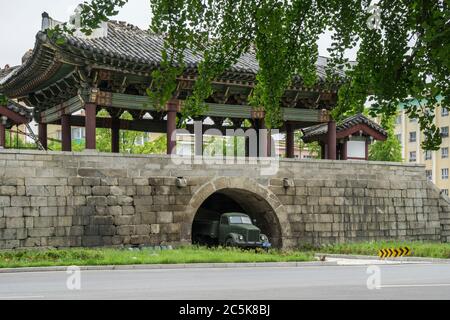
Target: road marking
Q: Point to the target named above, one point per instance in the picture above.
(416, 285)
(21, 297)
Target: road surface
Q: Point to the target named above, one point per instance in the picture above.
(409, 281)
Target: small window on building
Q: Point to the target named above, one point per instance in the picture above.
(444, 153)
(139, 141)
(429, 174)
(427, 155)
(398, 120)
(444, 112)
(399, 137)
(445, 191)
(444, 132)
(444, 174)
(412, 156)
(412, 136)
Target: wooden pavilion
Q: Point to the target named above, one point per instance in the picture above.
(111, 70)
(353, 137)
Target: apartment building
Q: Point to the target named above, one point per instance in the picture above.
(437, 163)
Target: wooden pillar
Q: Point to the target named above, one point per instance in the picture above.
(2, 136)
(91, 125)
(42, 128)
(66, 133)
(331, 140)
(290, 140)
(198, 137)
(172, 109)
(367, 148)
(115, 135)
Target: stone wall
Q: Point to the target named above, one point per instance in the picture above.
(70, 200)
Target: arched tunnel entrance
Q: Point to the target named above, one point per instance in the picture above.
(241, 201)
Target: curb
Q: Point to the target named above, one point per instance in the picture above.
(174, 266)
(399, 260)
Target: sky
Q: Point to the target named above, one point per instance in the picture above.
(20, 20)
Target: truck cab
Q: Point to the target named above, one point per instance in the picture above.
(233, 229)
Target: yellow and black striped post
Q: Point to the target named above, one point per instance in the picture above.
(394, 253)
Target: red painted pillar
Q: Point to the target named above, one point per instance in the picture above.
(115, 135)
(42, 128)
(367, 149)
(331, 140)
(289, 140)
(66, 133)
(91, 125)
(172, 109)
(2, 136)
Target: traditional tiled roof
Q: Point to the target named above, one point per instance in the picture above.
(19, 109)
(129, 43)
(5, 72)
(123, 45)
(316, 131)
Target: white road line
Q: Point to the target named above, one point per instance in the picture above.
(416, 285)
(21, 297)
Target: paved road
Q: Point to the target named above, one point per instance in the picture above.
(413, 281)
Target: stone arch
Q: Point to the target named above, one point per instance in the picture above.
(252, 197)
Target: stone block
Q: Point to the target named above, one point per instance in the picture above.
(118, 191)
(96, 201)
(164, 217)
(44, 191)
(75, 181)
(101, 190)
(64, 191)
(91, 181)
(15, 223)
(13, 212)
(125, 230)
(5, 201)
(48, 211)
(143, 200)
(8, 190)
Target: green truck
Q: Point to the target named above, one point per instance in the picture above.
(232, 229)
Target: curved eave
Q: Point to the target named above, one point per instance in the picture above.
(40, 70)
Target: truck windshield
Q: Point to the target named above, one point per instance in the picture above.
(240, 220)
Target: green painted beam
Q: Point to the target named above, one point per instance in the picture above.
(133, 102)
(69, 107)
(215, 110)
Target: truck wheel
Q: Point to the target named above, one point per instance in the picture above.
(229, 242)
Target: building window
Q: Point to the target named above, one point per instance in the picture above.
(427, 155)
(412, 156)
(412, 136)
(429, 174)
(444, 132)
(139, 141)
(399, 137)
(398, 120)
(444, 152)
(444, 112)
(445, 191)
(78, 133)
(444, 174)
